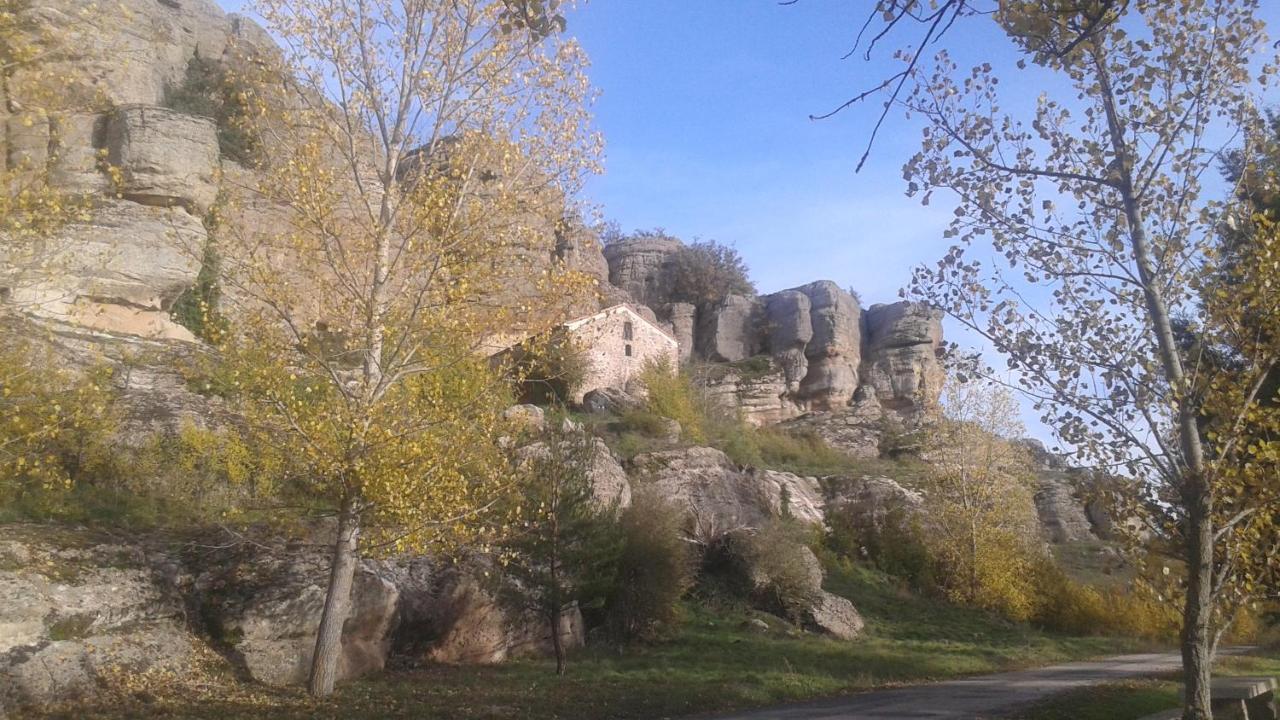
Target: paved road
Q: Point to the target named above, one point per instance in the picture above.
(976, 697)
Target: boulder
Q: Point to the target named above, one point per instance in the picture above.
(78, 609)
(611, 400)
(265, 606)
(636, 265)
(609, 484)
(901, 362)
(525, 417)
(722, 497)
(166, 158)
(729, 332)
(833, 615)
(469, 627)
(873, 503)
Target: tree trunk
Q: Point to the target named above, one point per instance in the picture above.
(337, 604)
(558, 644)
(1195, 492)
(1197, 641)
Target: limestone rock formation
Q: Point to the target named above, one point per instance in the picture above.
(874, 504)
(265, 605)
(77, 608)
(636, 265)
(729, 332)
(833, 615)
(901, 360)
(721, 496)
(761, 397)
(855, 430)
(833, 353)
(463, 624)
(166, 158)
(683, 322)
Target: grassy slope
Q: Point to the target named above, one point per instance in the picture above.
(712, 663)
(1138, 698)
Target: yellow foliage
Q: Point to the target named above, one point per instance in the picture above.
(672, 395)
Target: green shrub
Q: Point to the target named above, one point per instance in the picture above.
(655, 569)
(705, 272)
(895, 545)
(673, 395)
(209, 90)
(197, 309)
(770, 566)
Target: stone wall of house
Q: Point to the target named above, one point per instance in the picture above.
(612, 358)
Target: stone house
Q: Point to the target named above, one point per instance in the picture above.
(617, 342)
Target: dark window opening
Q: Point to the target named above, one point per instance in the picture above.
(627, 330)
(628, 349)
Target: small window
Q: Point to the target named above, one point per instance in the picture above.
(627, 331)
(628, 350)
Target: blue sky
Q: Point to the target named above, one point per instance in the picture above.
(705, 108)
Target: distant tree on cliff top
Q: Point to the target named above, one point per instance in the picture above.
(401, 141)
(705, 272)
(1094, 210)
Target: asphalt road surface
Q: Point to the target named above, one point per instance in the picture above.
(983, 696)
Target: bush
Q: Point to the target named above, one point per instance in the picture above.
(1068, 606)
(672, 395)
(197, 308)
(705, 272)
(895, 545)
(209, 90)
(655, 569)
(770, 566)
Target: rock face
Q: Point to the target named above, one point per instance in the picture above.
(901, 361)
(1063, 515)
(167, 158)
(77, 610)
(729, 332)
(834, 351)
(873, 503)
(266, 607)
(856, 429)
(721, 496)
(468, 626)
(636, 265)
(684, 320)
(761, 398)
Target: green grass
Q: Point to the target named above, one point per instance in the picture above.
(1137, 698)
(712, 663)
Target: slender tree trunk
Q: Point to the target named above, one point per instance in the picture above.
(1197, 639)
(337, 604)
(1196, 495)
(558, 644)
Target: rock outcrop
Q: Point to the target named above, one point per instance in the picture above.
(901, 360)
(730, 331)
(721, 496)
(79, 609)
(637, 265)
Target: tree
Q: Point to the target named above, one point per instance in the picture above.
(655, 567)
(563, 546)
(705, 272)
(414, 152)
(981, 529)
(1095, 213)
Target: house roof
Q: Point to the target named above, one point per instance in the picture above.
(623, 308)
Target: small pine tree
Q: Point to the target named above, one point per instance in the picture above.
(563, 546)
